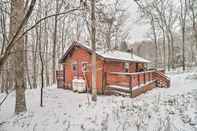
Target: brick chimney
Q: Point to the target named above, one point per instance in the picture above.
(131, 51)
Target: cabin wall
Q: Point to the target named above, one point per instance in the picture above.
(123, 80)
(78, 56)
(114, 66)
(111, 66)
(132, 67)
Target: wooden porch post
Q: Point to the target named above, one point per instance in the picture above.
(130, 85)
(64, 75)
(149, 76)
(104, 82)
(138, 79)
(144, 77)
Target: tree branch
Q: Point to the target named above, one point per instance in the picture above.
(11, 43)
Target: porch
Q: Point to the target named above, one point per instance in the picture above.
(134, 84)
(127, 84)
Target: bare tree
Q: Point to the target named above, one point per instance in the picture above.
(149, 15)
(93, 42)
(193, 12)
(17, 13)
(182, 19)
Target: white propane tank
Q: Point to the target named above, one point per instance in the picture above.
(81, 85)
(75, 84)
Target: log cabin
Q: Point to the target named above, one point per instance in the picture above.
(117, 72)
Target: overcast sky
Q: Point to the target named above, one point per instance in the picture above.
(137, 30)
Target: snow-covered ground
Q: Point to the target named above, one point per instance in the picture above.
(171, 109)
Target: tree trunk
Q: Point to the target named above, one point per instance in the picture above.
(26, 62)
(169, 52)
(2, 83)
(46, 55)
(164, 48)
(93, 41)
(55, 41)
(183, 47)
(34, 54)
(192, 8)
(155, 40)
(17, 13)
(172, 49)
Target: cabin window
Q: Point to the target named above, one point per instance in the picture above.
(84, 66)
(126, 67)
(74, 66)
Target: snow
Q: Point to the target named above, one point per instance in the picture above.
(161, 109)
(120, 55)
(110, 54)
(127, 88)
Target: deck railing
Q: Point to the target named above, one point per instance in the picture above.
(129, 79)
(60, 79)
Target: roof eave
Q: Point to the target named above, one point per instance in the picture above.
(75, 43)
(120, 60)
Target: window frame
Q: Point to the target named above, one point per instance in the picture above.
(126, 66)
(82, 66)
(72, 65)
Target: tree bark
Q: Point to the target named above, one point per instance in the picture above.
(193, 17)
(93, 41)
(26, 62)
(17, 13)
(46, 49)
(34, 54)
(55, 41)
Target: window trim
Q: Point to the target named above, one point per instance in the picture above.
(72, 65)
(126, 66)
(82, 66)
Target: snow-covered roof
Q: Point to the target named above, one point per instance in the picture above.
(120, 55)
(115, 55)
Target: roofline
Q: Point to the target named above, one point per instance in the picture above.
(110, 59)
(76, 43)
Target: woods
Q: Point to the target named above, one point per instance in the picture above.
(35, 34)
(137, 59)
(171, 24)
(43, 32)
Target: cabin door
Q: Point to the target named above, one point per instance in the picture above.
(74, 67)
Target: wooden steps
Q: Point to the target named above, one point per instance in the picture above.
(119, 88)
(162, 80)
(115, 92)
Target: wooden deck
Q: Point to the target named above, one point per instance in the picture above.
(134, 84)
(127, 91)
(127, 84)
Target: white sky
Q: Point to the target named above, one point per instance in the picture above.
(137, 30)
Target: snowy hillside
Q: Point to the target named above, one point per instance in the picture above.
(170, 109)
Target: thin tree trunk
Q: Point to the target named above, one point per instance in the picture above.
(55, 41)
(93, 41)
(191, 2)
(155, 41)
(182, 18)
(34, 53)
(183, 47)
(2, 83)
(46, 50)
(26, 62)
(172, 49)
(169, 52)
(164, 48)
(42, 68)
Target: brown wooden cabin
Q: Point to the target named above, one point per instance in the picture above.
(117, 71)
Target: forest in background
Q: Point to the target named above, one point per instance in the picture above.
(35, 33)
